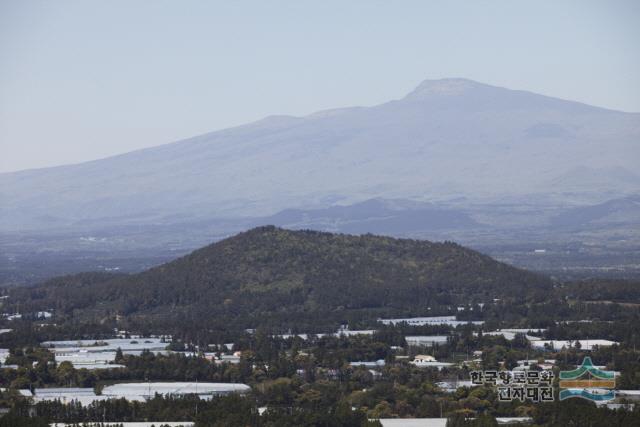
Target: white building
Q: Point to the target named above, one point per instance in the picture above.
(100, 354)
(436, 320)
(377, 364)
(84, 396)
(425, 340)
(127, 345)
(132, 424)
(150, 389)
(4, 354)
(426, 361)
(546, 364)
(350, 333)
(452, 385)
(586, 345)
(442, 422)
(137, 391)
(510, 334)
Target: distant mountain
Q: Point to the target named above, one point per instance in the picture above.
(447, 138)
(389, 217)
(296, 279)
(602, 180)
(623, 211)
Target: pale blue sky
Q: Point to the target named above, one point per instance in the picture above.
(81, 80)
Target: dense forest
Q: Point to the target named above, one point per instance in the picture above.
(288, 279)
(250, 288)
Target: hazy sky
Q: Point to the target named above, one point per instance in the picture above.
(81, 80)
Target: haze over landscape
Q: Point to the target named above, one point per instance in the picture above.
(447, 139)
(320, 213)
(463, 159)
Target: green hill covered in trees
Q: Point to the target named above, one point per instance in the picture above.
(272, 277)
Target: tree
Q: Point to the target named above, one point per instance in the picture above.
(119, 356)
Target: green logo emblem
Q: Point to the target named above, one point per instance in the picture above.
(587, 382)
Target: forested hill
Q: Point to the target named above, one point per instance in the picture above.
(269, 276)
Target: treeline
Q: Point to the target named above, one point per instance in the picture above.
(579, 412)
(611, 290)
(477, 408)
(224, 411)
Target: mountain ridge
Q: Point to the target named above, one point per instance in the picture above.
(482, 142)
(284, 118)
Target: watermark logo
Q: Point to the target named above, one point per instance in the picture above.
(517, 385)
(587, 382)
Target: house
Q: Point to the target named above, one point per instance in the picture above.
(426, 361)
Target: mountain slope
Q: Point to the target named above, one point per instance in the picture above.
(618, 211)
(447, 138)
(389, 217)
(274, 277)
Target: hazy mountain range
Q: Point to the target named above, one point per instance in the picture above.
(447, 139)
(501, 170)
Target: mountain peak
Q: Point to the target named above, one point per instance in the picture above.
(444, 87)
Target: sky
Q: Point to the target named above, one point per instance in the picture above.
(82, 80)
